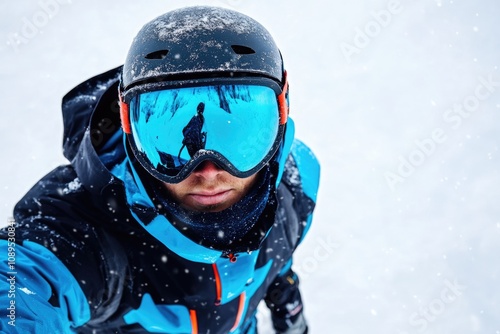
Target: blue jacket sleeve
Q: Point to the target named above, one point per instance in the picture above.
(37, 292)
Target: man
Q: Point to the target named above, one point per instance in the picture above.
(138, 234)
(194, 138)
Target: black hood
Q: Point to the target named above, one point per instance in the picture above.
(91, 116)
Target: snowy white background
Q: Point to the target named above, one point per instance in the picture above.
(416, 254)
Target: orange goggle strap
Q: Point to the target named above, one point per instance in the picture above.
(124, 115)
(282, 103)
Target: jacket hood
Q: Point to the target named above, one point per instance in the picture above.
(79, 104)
(91, 117)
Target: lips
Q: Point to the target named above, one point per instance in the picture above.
(210, 197)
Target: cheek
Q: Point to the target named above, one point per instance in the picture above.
(246, 184)
(176, 191)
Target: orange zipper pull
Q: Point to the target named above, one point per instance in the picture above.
(232, 257)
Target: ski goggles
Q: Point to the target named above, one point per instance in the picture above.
(237, 126)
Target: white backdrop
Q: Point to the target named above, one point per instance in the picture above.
(400, 101)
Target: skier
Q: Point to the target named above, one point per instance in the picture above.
(194, 138)
(135, 237)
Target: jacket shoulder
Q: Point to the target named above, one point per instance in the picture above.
(56, 201)
(297, 194)
(59, 214)
(307, 166)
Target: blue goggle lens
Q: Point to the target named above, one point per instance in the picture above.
(173, 130)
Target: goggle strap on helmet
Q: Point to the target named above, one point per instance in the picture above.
(124, 115)
(283, 101)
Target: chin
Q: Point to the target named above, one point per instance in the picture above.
(207, 208)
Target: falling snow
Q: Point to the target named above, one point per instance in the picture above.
(440, 224)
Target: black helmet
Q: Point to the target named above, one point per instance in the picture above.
(201, 42)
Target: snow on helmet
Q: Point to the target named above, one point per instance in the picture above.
(199, 42)
(209, 59)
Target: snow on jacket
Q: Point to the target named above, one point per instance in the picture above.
(90, 253)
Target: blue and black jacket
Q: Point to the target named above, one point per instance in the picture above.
(89, 252)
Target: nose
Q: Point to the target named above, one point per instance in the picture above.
(207, 169)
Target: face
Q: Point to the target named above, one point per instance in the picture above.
(209, 189)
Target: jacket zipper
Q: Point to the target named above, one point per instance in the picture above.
(218, 287)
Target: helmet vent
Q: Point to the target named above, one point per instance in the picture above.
(242, 50)
(160, 54)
